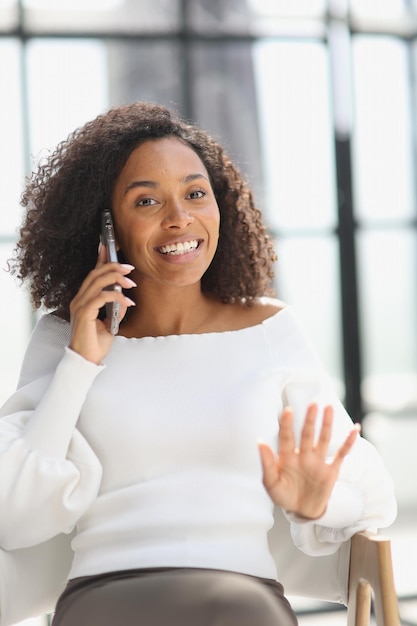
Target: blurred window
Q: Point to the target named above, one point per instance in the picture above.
(100, 16)
(326, 140)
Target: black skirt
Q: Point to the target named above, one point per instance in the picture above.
(173, 597)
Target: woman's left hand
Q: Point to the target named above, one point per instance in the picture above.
(300, 480)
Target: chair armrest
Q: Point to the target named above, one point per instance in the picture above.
(371, 573)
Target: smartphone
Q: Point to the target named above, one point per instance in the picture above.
(108, 240)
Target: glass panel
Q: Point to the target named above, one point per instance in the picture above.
(56, 78)
(383, 154)
(106, 15)
(11, 137)
(413, 80)
(395, 439)
(296, 133)
(15, 326)
(244, 16)
(224, 103)
(377, 8)
(388, 310)
(295, 8)
(9, 15)
(150, 71)
(119, 72)
(308, 279)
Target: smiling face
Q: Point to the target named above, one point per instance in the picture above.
(165, 213)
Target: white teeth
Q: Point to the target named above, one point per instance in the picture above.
(179, 248)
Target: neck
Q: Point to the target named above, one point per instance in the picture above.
(172, 311)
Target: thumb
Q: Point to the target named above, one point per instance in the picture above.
(268, 462)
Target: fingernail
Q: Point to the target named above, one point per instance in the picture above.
(130, 302)
(130, 282)
(127, 266)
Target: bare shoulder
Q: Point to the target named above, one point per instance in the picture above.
(263, 308)
(241, 315)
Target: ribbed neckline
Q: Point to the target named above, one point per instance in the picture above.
(265, 322)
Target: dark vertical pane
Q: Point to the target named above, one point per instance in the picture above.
(217, 16)
(145, 70)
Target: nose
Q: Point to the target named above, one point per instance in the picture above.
(176, 216)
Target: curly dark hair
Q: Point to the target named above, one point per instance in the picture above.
(64, 199)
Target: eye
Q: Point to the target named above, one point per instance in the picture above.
(145, 202)
(197, 194)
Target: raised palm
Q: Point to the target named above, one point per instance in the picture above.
(300, 480)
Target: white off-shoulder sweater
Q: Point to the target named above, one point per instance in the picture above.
(153, 458)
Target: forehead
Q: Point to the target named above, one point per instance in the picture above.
(157, 157)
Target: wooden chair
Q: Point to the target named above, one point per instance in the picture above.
(371, 575)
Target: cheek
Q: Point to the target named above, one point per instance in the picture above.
(134, 228)
(214, 230)
(214, 218)
(130, 237)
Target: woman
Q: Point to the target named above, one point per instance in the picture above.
(146, 443)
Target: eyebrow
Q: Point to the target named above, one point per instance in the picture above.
(153, 185)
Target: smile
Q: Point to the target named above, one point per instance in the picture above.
(179, 248)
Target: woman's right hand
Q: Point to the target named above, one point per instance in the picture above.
(90, 336)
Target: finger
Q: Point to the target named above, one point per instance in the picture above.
(323, 441)
(286, 440)
(102, 255)
(346, 447)
(88, 309)
(268, 462)
(309, 428)
(104, 276)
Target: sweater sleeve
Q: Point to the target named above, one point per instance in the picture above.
(49, 473)
(363, 496)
